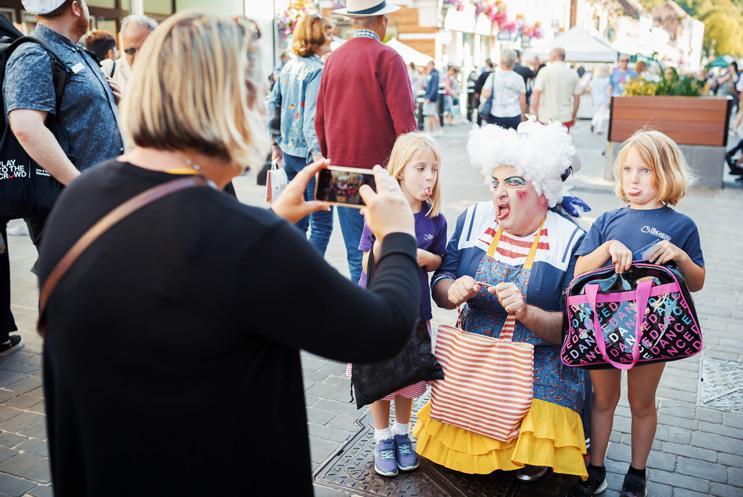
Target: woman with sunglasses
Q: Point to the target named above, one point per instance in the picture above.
(505, 267)
(171, 354)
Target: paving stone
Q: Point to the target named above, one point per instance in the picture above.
(35, 446)
(689, 451)
(622, 424)
(8, 412)
(28, 466)
(619, 452)
(10, 440)
(36, 392)
(339, 407)
(656, 490)
(721, 429)
(327, 492)
(733, 419)
(722, 490)
(716, 442)
(25, 384)
(709, 415)
(735, 476)
(326, 391)
(702, 469)
(41, 492)
(9, 377)
(730, 460)
(662, 460)
(344, 422)
(338, 381)
(11, 485)
(319, 416)
(310, 400)
(682, 492)
(673, 434)
(321, 449)
(19, 367)
(329, 433)
(677, 480)
(21, 401)
(689, 423)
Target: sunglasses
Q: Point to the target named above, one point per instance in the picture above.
(510, 182)
(131, 51)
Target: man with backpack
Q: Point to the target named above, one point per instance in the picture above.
(61, 114)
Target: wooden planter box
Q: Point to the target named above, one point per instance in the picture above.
(698, 124)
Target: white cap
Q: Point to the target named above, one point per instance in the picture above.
(41, 7)
(366, 8)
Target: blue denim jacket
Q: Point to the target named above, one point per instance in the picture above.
(296, 91)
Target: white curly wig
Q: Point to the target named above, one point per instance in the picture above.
(543, 152)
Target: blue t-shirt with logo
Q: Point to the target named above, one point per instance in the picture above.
(639, 230)
(430, 235)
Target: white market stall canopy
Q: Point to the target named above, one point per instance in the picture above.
(408, 53)
(580, 46)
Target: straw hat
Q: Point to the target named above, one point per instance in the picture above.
(366, 8)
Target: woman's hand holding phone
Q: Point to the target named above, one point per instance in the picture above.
(386, 210)
(291, 204)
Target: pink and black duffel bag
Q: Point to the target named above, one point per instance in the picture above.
(619, 320)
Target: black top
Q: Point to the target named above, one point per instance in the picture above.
(480, 82)
(524, 72)
(171, 364)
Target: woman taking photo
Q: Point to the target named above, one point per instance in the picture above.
(171, 358)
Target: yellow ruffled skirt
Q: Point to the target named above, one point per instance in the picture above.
(550, 435)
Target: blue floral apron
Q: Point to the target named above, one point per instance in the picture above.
(483, 314)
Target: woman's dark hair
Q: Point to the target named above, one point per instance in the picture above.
(100, 42)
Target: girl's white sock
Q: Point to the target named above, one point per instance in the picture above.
(382, 434)
(400, 428)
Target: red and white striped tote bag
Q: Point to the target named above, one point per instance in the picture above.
(488, 382)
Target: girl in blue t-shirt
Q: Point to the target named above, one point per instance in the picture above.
(414, 162)
(651, 174)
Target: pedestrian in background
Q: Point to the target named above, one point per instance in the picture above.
(652, 175)
(88, 122)
(556, 94)
(621, 75)
(199, 323)
(416, 80)
(525, 72)
(432, 124)
(364, 104)
(103, 45)
(509, 92)
(600, 97)
(294, 97)
(480, 83)
(134, 31)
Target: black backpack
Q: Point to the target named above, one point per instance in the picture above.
(27, 189)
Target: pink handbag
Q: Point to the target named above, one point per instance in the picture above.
(643, 315)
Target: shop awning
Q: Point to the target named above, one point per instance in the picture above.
(580, 46)
(408, 53)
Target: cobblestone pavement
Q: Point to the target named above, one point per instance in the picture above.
(699, 444)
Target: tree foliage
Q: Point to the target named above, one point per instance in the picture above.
(723, 24)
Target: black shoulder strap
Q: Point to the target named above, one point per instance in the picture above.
(60, 72)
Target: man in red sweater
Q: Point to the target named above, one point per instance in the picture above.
(364, 104)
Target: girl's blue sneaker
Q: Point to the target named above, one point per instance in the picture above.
(384, 457)
(407, 459)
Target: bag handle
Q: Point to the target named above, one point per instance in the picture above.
(100, 227)
(642, 294)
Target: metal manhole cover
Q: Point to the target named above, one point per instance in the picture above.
(351, 470)
(722, 385)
